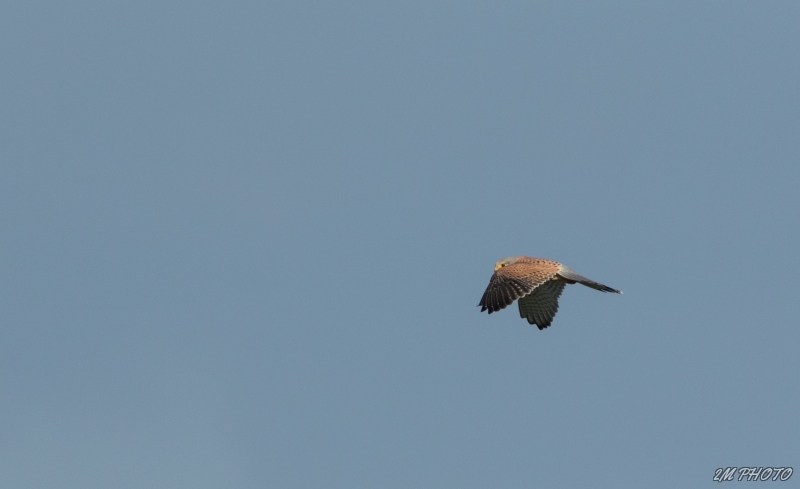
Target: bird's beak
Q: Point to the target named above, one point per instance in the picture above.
(497, 267)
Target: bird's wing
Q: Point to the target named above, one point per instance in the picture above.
(514, 281)
(540, 306)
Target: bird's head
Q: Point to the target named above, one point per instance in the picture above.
(505, 262)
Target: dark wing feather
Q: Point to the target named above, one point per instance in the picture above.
(540, 306)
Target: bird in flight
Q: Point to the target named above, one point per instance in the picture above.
(537, 283)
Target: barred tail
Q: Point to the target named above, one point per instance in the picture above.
(571, 276)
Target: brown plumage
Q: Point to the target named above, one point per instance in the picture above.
(537, 284)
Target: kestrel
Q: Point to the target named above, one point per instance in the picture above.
(537, 283)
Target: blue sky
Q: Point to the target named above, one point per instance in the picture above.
(243, 243)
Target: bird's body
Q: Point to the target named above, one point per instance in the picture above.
(537, 284)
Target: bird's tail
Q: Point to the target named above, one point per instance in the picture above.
(570, 275)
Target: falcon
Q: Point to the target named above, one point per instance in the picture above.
(537, 283)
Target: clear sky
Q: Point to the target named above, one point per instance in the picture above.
(242, 243)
